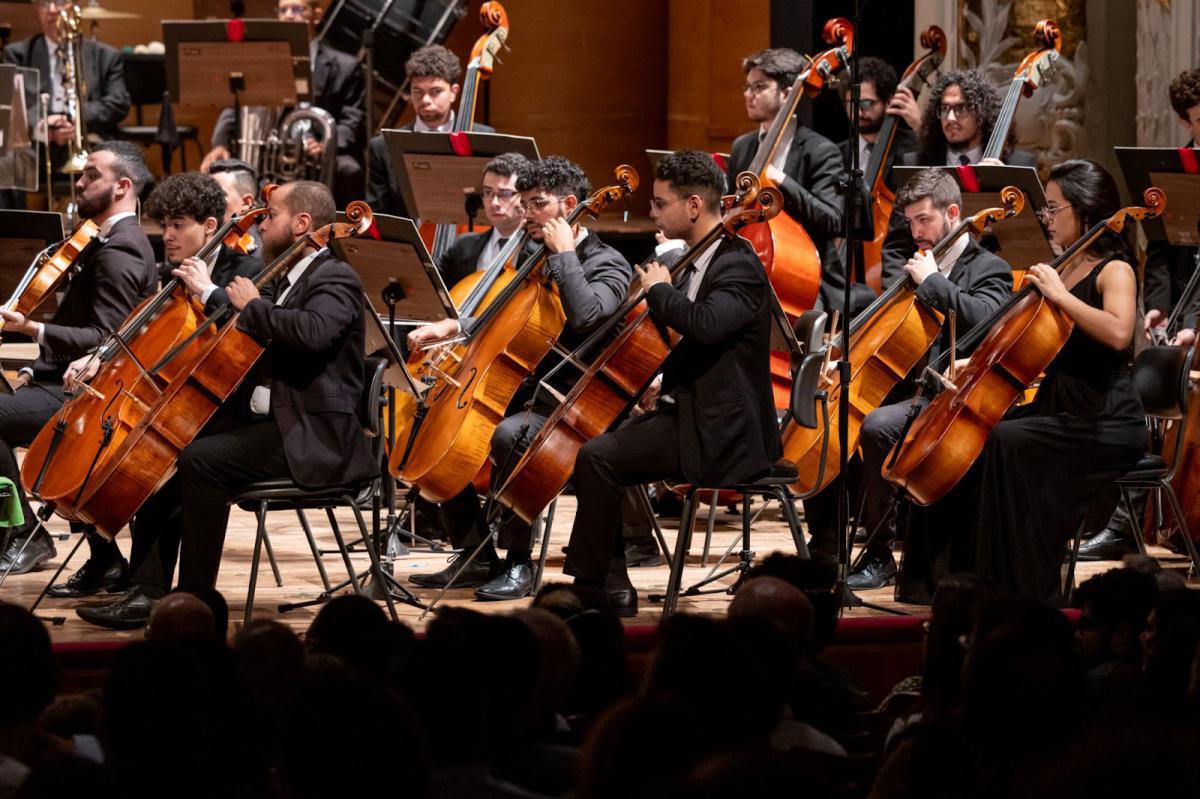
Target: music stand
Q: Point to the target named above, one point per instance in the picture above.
(1168, 169)
(19, 120)
(439, 172)
(1021, 241)
(25, 234)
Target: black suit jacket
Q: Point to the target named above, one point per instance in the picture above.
(814, 166)
(720, 373)
(113, 277)
(1168, 269)
(229, 265)
(107, 100)
(899, 246)
(462, 258)
(904, 143)
(337, 87)
(978, 284)
(383, 190)
(314, 360)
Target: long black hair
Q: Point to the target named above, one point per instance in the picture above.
(1093, 196)
(980, 96)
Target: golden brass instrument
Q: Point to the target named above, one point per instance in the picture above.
(278, 148)
(74, 83)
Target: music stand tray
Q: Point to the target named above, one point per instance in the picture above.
(1021, 240)
(202, 60)
(1165, 168)
(436, 172)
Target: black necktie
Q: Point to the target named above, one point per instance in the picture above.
(963, 160)
(684, 278)
(500, 242)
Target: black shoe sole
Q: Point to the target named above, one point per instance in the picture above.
(873, 586)
(112, 624)
(461, 582)
(482, 597)
(647, 562)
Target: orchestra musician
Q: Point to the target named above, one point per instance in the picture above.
(592, 280)
(433, 74)
(963, 109)
(718, 424)
(877, 82)
(239, 181)
(190, 207)
(968, 280)
(807, 167)
(337, 84)
(114, 274)
(301, 420)
(475, 252)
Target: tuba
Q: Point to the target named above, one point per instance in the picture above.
(74, 84)
(277, 148)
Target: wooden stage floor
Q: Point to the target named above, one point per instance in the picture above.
(301, 580)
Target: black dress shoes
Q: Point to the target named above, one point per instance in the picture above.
(129, 612)
(94, 577)
(624, 601)
(877, 573)
(642, 551)
(515, 582)
(476, 574)
(39, 550)
(1108, 544)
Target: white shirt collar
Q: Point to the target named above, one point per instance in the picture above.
(701, 265)
(420, 127)
(950, 257)
(296, 272)
(973, 155)
(107, 227)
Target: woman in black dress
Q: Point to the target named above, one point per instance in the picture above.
(1045, 464)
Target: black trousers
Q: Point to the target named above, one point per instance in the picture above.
(642, 451)
(212, 471)
(22, 417)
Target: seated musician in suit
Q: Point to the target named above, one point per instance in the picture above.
(114, 275)
(473, 252)
(300, 421)
(107, 100)
(592, 280)
(433, 84)
(968, 280)
(954, 128)
(239, 181)
(189, 206)
(806, 167)
(337, 87)
(877, 86)
(718, 424)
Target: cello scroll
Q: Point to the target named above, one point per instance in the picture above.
(1155, 200)
(1013, 200)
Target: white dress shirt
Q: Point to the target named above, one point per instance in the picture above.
(973, 155)
(260, 400)
(950, 257)
(421, 127)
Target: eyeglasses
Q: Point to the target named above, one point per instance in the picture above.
(758, 87)
(959, 110)
(658, 204)
(542, 203)
(503, 194)
(1050, 211)
(864, 103)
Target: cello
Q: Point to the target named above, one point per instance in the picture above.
(141, 442)
(786, 250)
(512, 335)
(438, 238)
(883, 199)
(151, 329)
(614, 381)
(887, 339)
(1014, 347)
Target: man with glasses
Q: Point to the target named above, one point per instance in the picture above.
(807, 167)
(475, 252)
(593, 280)
(337, 88)
(877, 86)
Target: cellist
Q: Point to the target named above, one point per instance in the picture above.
(112, 277)
(190, 207)
(806, 167)
(299, 417)
(592, 280)
(968, 280)
(718, 425)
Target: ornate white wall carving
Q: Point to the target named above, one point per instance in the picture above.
(1168, 42)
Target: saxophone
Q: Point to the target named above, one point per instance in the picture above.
(74, 85)
(277, 148)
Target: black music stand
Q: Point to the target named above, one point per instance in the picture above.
(438, 173)
(1166, 168)
(1021, 241)
(25, 234)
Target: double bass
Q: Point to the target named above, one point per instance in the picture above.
(887, 340)
(615, 379)
(141, 440)
(1014, 347)
(786, 250)
(508, 340)
(479, 69)
(883, 199)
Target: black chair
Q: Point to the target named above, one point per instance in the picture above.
(1162, 377)
(284, 494)
(146, 80)
(808, 407)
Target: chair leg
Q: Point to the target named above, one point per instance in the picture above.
(61, 568)
(341, 545)
(682, 543)
(261, 513)
(708, 530)
(271, 560)
(545, 549)
(1166, 489)
(644, 500)
(1069, 583)
(788, 503)
(376, 566)
(1135, 523)
(312, 545)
